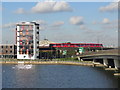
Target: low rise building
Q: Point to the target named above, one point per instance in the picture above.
(49, 49)
(7, 51)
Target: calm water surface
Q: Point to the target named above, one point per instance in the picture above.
(57, 76)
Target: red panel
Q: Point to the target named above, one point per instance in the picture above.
(76, 45)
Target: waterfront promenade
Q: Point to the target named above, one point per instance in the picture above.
(82, 63)
(75, 63)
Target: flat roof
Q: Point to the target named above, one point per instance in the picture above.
(27, 23)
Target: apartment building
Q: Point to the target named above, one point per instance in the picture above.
(27, 39)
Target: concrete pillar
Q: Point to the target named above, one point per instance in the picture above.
(94, 60)
(105, 62)
(78, 58)
(81, 59)
(117, 63)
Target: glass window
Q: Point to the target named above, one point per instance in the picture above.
(37, 42)
(38, 32)
(10, 51)
(37, 27)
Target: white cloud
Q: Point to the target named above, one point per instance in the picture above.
(41, 22)
(20, 11)
(109, 8)
(58, 23)
(76, 20)
(106, 21)
(113, 26)
(107, 24)
(43, 27)
(83, 27)
(8, 25)
(102, 22)
(56, 26)
(95, 22)
(48, 7)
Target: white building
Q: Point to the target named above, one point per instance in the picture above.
(27, 40)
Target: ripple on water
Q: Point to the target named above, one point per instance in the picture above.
(57, 76)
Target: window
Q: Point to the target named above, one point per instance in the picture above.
(37, 56)
(10, 51)
(6, 51)
(26, 46)
(21, 46)
(37, 27)
(1, 46)
(31, 46)
(80, 45)
(10, 46)
(38, 32)
(30, 51)
(6, 46)
(54, 44)
(37, 42)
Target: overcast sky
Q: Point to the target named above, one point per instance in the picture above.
(82, 22)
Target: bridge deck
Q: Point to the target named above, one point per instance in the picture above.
(102, 52)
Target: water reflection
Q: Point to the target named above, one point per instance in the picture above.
(22, 66)
(58, 76)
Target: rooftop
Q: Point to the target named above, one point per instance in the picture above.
(45, 42)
